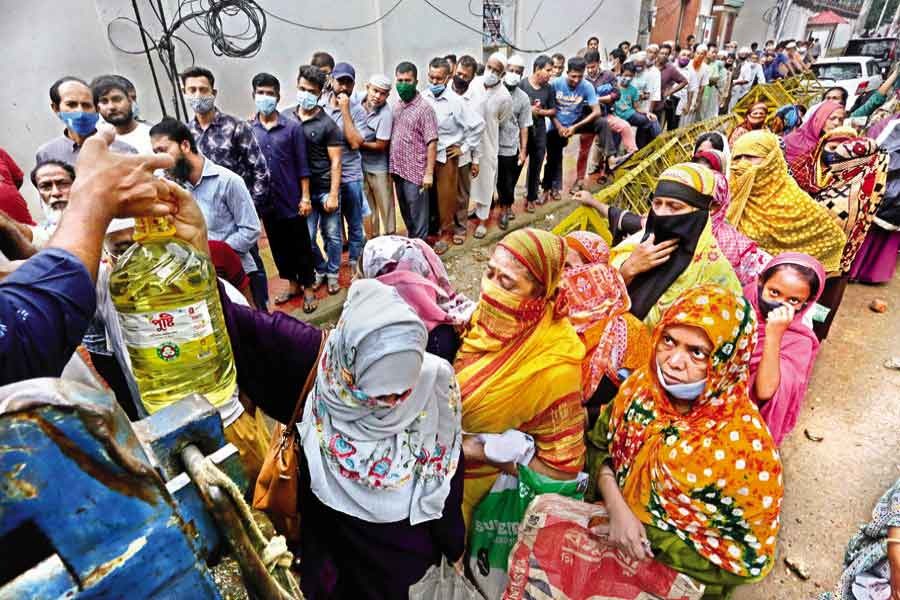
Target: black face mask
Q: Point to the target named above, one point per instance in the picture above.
(460, 84)
(685, 228)
(765, 306)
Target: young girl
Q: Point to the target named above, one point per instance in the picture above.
(786, 347)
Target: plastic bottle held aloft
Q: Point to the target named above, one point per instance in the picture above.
(166, 295)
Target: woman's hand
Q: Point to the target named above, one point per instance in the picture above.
(893, 556)
(473, 448)
(627, 533)
(646, 256)
(779, 320)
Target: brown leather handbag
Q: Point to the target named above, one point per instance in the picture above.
(276, 487)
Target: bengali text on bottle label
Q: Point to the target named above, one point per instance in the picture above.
(166, 331)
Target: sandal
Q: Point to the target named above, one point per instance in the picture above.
(576, 187)
(319, 280)
(480, 232)
(459, 238)
(310, 303)
(529, 207)
(440, 247)
(333, 286)
(285, 297)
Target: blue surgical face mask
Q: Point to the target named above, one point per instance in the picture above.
(79, 122)
(682, 391)
(265, 104)
(437, 88)
(306, 100)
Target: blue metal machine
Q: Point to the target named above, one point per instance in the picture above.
(92, 506)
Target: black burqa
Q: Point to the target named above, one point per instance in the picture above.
(646, 288)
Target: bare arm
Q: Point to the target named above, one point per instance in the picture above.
(474, 451)
(334, 155)
(885, 88)
(430, 158)
(594, 114)
(375, 146)
(351, 134)
(768, 374)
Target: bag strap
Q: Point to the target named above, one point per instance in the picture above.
(307, 385)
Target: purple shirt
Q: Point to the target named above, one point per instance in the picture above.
(415, 126)
(669, 77)
(45, 307)
(284, 147)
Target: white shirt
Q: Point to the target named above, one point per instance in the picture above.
(458, 124)
(139, 139)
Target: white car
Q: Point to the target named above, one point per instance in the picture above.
(856, 74)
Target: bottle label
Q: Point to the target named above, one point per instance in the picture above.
(163, 335)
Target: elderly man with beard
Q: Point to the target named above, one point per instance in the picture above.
(376, 132)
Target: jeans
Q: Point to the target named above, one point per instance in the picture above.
(259, 282)
(553, 166)
(537, 149)
(413, 207)
(332, 235)
(351, 206)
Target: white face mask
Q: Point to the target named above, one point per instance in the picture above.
(490, 78)
(682, 391)
(512, 79)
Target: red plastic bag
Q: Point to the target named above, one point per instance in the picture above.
(562, 553)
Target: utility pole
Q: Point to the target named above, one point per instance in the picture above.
(782, 17)
(881, 16)
(644, 23)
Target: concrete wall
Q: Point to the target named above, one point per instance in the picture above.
(749, 26)
(539, 24)
(48, 38)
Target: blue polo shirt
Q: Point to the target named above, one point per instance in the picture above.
(570, 100)
(45, 307)
(284, 148)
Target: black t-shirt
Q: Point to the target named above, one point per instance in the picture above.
(320, 133)
(548, 100)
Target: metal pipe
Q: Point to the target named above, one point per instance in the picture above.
(137, 17)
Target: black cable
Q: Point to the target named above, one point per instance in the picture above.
(509, 43)
(352, 28)
(210, 16)
(137, 16)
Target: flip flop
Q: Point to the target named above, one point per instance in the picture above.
(285, 297)
(480, 232)
(440, 247)
(892, 363)
(333, 286)
(310, 304)
(529, 207)
(459, 239)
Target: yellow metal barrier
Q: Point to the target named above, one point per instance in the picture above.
(636, 179)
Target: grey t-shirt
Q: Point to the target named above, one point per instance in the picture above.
(519, 118)
(351, 160)
(65, 149)
(377, 126)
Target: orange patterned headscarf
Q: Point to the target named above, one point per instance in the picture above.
(713, 475)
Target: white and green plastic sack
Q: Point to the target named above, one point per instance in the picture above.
(495, 523)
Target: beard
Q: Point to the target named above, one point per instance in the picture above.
(182, 169)
(121, 119)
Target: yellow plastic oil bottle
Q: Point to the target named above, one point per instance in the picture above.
(165, 293)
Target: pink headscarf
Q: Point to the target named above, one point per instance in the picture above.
(802, 141)
(799, 347)
(417, 273)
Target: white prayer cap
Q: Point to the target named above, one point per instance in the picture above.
(744, 50)
(702, 48)
(723, 53)
(791, 45)
(654, 47)
(380, 81)
(499, 56)
(516, 60)
(119, 224)
(639, 56)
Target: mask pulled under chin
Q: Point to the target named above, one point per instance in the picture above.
(682, 391)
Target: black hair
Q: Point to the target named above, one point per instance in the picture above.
(104, 84)
(54, 89)
(312, 74)
(806, 273)
(175, 130)
(841, 90)
(322, 59)
(754, 46)
(467, 62)
(629, 66)
(198, 72)
(618, 54)
(479, 68)
(267, 80)
(713, 138)
(541, 61)
(626, 43)
(576, 64)
(439, 63)
(635, 48)
(593, 37)
(407, 67)
(54, 162)
(592, 56)
(558, 56)
(666, 45)
(450, 58)
(690, 37)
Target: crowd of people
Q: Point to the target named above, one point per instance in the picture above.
(669, 366)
